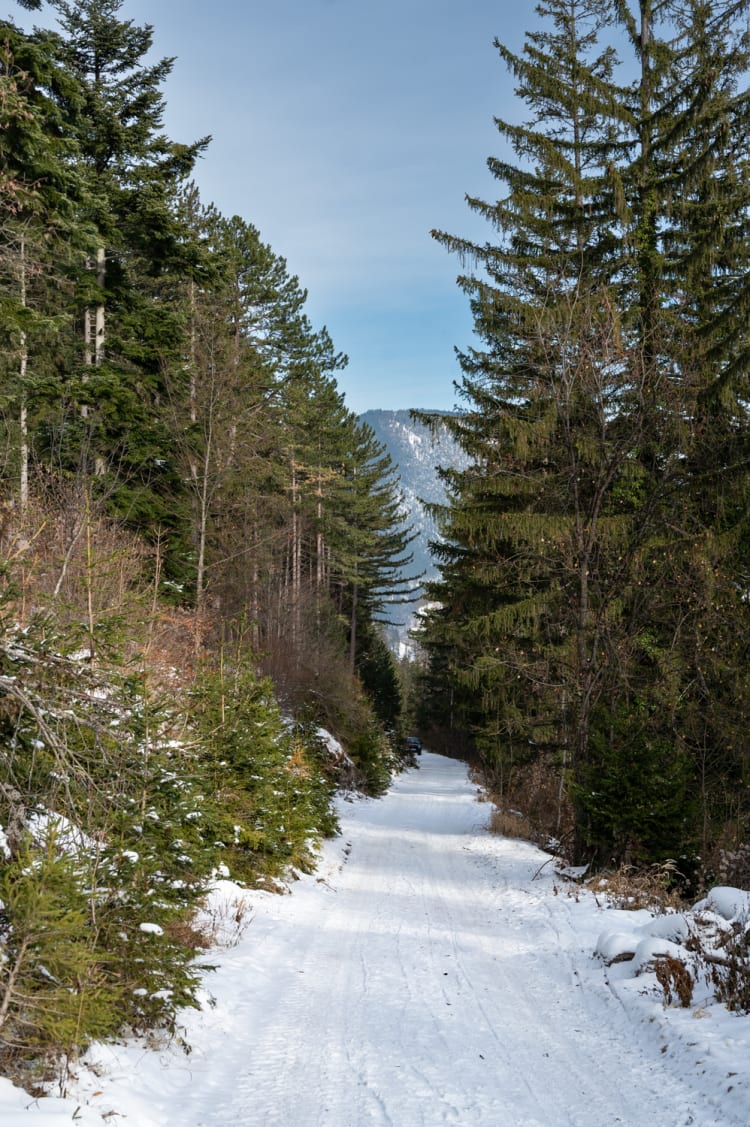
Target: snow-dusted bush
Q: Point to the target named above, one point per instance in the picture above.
(697, 955)
(117, 806)
(98, 808)
(271, 785)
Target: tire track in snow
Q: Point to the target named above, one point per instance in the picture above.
(423, 981)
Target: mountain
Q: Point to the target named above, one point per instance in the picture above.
(417, 453)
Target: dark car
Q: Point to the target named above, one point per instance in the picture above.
(413, 745)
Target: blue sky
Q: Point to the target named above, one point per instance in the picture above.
(345, 130)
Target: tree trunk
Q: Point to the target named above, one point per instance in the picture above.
(23, 372)
(353, 632)
(94, 336)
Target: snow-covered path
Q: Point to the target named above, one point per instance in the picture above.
(420, 978)
(423, 991)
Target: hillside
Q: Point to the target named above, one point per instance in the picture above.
(417, 454)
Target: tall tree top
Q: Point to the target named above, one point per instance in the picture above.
(119, 126)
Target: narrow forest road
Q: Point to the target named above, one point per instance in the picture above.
(420, 978)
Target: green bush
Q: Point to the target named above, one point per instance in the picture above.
(53, 993)
(633, 793)
(271, 790)
(105, 852)
(375, 759)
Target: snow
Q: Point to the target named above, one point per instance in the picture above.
(729, 903)
(151, 929)
(42, 825)
(429, 973)
(643, 944)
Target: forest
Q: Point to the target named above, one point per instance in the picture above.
(588, 636)
(198, 542)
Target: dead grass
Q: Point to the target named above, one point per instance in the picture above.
(172, 649)
(511, 823)
(725, 952)
(629, 888)
(530, 803)
(675, 980)
(224, 923)
(66, 556)
(189, 934)
(76, 565)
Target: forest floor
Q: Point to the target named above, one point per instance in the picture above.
(428, 973)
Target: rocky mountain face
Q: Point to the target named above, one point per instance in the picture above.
(417, 454)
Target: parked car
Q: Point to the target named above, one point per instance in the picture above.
(413, 745)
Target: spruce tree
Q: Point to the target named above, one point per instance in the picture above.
(569, 537)
(529, 519)
(369, 537)
(39, 192)
(110, 420)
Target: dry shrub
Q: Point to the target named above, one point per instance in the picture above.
(675, 980)
(82, 566)
(721, 949)
(226, 922)
(730, 969)
(734, 867)
(173, 647)
(511, 823)
(725, 858)
(67, 555)
(310, 667)
(630, 888)
(189, 934)
(531, 802)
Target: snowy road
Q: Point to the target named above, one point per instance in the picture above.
(422, 977)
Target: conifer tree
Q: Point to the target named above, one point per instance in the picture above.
(370, 539)
(110, 419)
(705, 286)
(39, 189)
(160, 358)
(251, 358)
(529, 519)
(558, 608)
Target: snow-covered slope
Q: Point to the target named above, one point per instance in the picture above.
(417, 453)
(428, 973)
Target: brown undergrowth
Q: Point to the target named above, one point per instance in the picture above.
(99, 582)
(530, 803)
(630, 888)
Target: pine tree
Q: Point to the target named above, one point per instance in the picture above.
(705, 238)
(251, 358)
(52, 995)
(368, 534)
